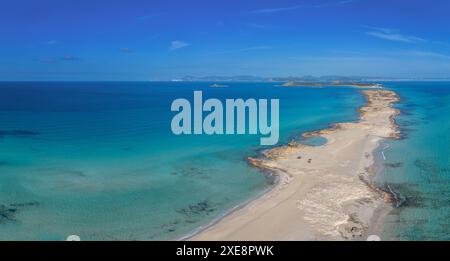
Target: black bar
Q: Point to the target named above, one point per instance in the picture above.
(223, 250)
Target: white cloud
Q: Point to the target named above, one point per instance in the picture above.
(259, 26)
(425, 54)
(396, 37)
(274, 10)
(329, 4)
(290, 8)
(381, 29)
(392, 35)
(175, 45)
(253, 48)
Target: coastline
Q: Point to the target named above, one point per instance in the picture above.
(334, 84)
(323, 192)
(228, 212)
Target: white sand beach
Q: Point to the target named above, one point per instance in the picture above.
(324, 192)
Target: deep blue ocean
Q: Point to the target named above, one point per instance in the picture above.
(99, 160)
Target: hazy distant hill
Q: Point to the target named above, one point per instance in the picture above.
(250, 78)
(238, 78)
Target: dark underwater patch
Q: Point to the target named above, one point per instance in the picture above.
(170, 227)
(405, 195)
(25, 204)
(403, 135)
(18, 133)
(196, 210)
(410, 105)
(193, 172)
(406, 112)
(428, 170)
(406, 123)
(411, 196)
(8, 212)
(394, 165)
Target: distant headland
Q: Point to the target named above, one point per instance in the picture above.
(323, 84)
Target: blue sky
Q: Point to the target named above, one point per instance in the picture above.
(160, 40)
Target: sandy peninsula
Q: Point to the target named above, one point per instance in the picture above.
(323, 192)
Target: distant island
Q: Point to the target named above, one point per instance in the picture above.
(307, 81)
(215, 85)
(319, 80)
(323, 84)
(301, 79)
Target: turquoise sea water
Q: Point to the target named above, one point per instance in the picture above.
(99, 159)
(417, 167)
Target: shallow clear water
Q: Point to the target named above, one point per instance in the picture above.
(99, 159)
(313, 141)
(417, 167)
